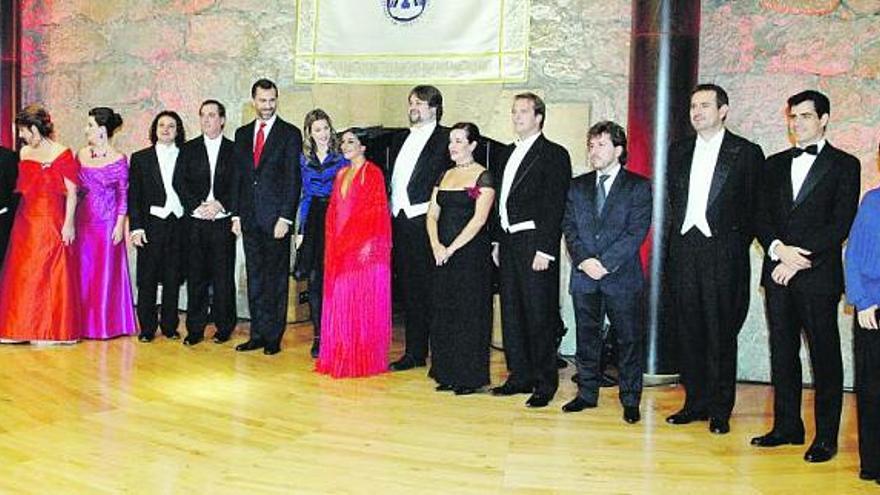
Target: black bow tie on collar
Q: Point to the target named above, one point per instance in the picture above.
(810, 150)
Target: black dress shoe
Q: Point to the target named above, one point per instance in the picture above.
(561, 364)
(821, 452)
(508, 389)
(175, 335)
(406, 362)
(465, 390)
(578, 404)
(868, 475)
(444, 387)
(316, 347)
(631, 414)
(272, 349)
(719, 426)
(538, 400)
(220, 338)
(193, 339)
(774, 439)
(686, 416)
(146, 337)
(250, 345)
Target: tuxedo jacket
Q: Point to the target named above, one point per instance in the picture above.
(8, 176)
(818, 219)
(192, 177)
(613, 237)
(733, 194)
(538, 192)
(145, 186)
(433, 161)
(270, 190)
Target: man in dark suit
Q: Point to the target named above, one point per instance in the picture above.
(808, 199)
(712, 193)
(534, 173)
(155, 213)
(607, 216)
(268, 184)
(418, 157)
(8, 175)
(205, 181)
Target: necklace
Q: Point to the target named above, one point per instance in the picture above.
(96, 154)
(465, 165)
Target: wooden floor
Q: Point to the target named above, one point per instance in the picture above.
(125, 417)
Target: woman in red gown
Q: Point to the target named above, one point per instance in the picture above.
(356, 320)
(39, 300)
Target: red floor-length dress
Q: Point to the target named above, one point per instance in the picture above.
(38, 285)
(356, 320)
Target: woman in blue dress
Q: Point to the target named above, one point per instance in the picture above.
(319, 162)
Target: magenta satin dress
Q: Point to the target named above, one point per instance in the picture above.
(107, 308)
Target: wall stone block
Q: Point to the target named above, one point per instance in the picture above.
(152, 39)
(221, 35)
(863, 6)
(810, 7)
(74, 42)
(728, 41)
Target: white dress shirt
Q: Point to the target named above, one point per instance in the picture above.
(213, 148)
(404, 166)
(800, 168)
(513, 162)
(167, 155)
(700, 183)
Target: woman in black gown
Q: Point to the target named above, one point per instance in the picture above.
(461, 323)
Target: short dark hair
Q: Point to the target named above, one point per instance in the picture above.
(359, 132)
(431, 95)
(37, 116)
(820, 101)
(720, 95)
(107, 118)
(181, 133)
(470, 129)
(263, 84)
(615, 131)
(537, 102)
(221, 110)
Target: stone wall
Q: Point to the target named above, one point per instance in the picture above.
(142, 56)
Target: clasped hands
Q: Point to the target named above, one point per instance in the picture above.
(593, 268)
(208, 210)
(441, 253)
(792, 259)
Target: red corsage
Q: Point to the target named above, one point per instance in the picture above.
(473, 192)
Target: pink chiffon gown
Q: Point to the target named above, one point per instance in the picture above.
(356, 320)
(107, 308)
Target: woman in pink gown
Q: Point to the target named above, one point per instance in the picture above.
(356, 320)
(107, 310)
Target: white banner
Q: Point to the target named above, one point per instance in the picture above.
(412, 41)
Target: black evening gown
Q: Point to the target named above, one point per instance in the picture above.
(461, 323)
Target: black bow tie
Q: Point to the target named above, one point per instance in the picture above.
(810, 150)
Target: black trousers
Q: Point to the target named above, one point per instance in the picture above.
(867, 385)
(529, 315)
(267, 261)
(211, 264)
(625, 311)
(413, 263)
(158, 262)
(789, 311)
(708, 315)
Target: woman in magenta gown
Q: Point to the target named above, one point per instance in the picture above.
(39, 298)
(356, 320)
(107, 310)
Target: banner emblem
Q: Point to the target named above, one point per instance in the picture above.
(405, 10)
